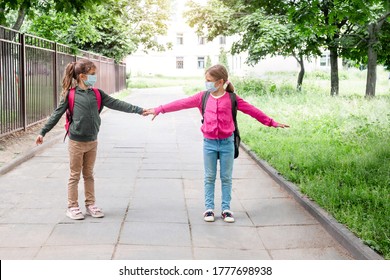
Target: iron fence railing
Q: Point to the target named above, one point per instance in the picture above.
(31, 71)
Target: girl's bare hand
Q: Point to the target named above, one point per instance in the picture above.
(39, 140)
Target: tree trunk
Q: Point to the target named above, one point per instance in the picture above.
(334, 72)
(372, 61)
(301, 72)
(373, 30)
(21, 15)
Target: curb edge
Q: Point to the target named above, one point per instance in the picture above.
(28, 155)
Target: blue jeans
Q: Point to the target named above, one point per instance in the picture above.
(211, 148)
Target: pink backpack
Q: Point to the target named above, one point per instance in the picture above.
(69, 111)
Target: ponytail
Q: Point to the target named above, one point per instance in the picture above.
(67, 81)
(228, 86)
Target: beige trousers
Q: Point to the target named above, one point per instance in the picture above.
(82, 157)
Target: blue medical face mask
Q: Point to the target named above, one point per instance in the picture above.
(211, 86)
(91, 80)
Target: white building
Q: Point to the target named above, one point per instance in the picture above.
(190, 52)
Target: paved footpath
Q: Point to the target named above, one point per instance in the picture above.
(149, 182)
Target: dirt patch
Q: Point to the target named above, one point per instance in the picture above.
(16, 144)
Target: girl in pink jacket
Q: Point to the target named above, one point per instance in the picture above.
(217, 128)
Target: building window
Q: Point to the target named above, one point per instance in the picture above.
(201, 40)
(179, 38)
(325, 60)
(179, 62)
(201, 62)
(222, 40)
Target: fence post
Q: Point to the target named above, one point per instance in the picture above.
(23, 78)
(55, 85)
(117, 77)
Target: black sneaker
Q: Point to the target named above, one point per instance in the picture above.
(208, 215)
(227, 216)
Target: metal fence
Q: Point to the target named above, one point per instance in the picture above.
(31, 71)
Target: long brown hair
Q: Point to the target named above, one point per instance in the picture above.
(218, 72)
(72, 74)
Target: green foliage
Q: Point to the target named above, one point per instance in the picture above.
(264, 35)
(113, 28)
(73, 30)
(252, 87)
(376, 13)
(28, 8)
(215, 18)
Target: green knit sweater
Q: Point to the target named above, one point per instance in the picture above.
(86, 119)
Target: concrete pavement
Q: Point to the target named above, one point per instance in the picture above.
(149, 182)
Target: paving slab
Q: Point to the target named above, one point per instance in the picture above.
(148, 252)
(230, 254)
(75, 252)
(156, 233)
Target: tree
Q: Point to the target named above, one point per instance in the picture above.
(300, 28)
(126, 26)
(274, 35)
(26, 7)
(338, 25)
(370, 42)
(327, 21)
(262, 25)
(384, 38)
(115, 28)
(69, 29)
(374, 29)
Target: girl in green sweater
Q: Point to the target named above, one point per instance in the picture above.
(83, 131)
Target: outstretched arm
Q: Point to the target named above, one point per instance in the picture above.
(53, 120)
(177, 105)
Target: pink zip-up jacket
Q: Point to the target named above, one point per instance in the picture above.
(218, 120)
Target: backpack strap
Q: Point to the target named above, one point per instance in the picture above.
(69, 111)
(205, 97)
(71, 95)
(234, 108)
(98, 98)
